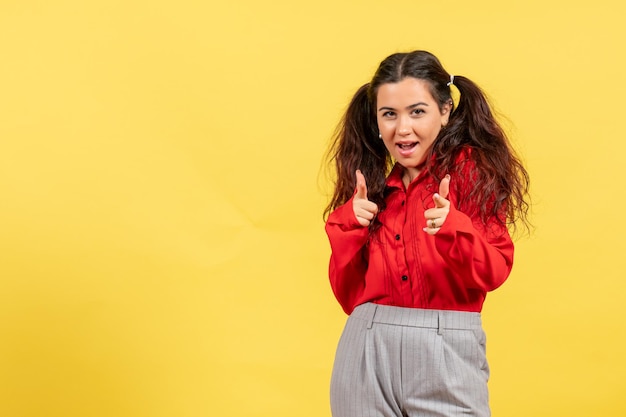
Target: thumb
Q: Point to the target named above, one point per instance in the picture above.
(361, 186)
(444, 190)
(444, 186)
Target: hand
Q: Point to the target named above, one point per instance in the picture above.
(436, 217)
(364, 210)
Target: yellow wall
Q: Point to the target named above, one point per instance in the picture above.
(162, 248)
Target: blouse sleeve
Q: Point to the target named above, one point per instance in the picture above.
(482, 257)
(348, 262)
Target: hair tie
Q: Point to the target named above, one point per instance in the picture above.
(451, 81)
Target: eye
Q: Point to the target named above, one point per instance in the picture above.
(418, 112)
(388, 114)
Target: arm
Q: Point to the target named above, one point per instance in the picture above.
(482, 257)
(348, 262)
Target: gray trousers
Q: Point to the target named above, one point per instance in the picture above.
(398, 362)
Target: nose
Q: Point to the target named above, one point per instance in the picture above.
(404, 126)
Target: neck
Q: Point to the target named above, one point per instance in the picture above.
(409, 175)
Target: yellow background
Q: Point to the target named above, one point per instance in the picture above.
(161, 189)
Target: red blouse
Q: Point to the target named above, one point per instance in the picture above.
(401, 265)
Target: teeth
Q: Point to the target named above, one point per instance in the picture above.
(406, 145)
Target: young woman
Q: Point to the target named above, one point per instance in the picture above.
(418, 227)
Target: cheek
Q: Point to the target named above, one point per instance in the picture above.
(387, 134)
(389, 144)
(382, 126)
(434, 130)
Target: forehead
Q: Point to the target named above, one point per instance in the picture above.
(409, 89)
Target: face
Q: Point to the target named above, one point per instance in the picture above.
(409, 120)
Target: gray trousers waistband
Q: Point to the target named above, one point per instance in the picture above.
(417, 317)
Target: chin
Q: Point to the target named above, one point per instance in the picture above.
(411, 162)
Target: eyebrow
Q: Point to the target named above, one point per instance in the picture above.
(412, 106)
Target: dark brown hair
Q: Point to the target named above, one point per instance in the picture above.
(499, 183)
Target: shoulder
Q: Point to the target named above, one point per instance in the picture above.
(465, 154)
(464, 179)
(465, 165)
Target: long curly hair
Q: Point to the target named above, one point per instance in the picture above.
(499, 183)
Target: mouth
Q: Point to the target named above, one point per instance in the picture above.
(405, 149)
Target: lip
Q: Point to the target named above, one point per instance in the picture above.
(405, 152)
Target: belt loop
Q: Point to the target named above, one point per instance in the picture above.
(439, 323)
(370, 321)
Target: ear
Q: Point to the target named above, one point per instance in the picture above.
(446, 109)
